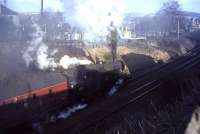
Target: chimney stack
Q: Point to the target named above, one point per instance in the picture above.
(42, 7)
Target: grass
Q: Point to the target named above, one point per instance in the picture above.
(171, 119)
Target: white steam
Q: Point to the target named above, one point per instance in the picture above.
(54, 5)
(66, 62)
(91, 16)
(30, 53)
(95, 16)
(43, 59)
(67, 113)
(38, 53)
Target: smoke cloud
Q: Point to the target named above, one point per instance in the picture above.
(66, 62)
(95, 16)
(44, 61)
(30, 52)
(38, 53)
(92, 16)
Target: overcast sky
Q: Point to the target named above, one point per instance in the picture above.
(142, 6)
(150, 6)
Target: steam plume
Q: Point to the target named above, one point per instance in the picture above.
(94, 17)
(39, 54)
(37, 51)
(43, 59)
(66, 62)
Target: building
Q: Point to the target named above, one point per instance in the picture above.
(8, 13)
(9, 22)
(127, 33)
(194, 20)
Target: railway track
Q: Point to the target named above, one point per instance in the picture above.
(150, 82)
(165, 68)
(134, 91)
(32, 119)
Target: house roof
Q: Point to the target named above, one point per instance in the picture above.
(6, 11)
(192, 14)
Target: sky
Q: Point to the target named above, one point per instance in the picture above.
(139, 6)
(151, 6)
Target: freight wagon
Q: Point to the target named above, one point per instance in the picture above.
(86, 81)
(35, 93)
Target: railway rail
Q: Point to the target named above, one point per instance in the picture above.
(33, 110)
(165, 68)
(150, 82)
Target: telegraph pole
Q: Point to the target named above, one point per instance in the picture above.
(42, 7)
(178, 26)
(0, 7)
(178, 33)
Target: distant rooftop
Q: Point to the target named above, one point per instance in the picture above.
(6, 11)
(193, 14)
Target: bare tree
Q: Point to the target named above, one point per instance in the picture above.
(171, 18)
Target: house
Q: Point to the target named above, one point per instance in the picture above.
(126, 33)
(196, 23)
(9, 22)
(4, 11)
(194, 19)
(9, 14)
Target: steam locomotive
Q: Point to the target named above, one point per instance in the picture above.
(87, 80)
(84, 81)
